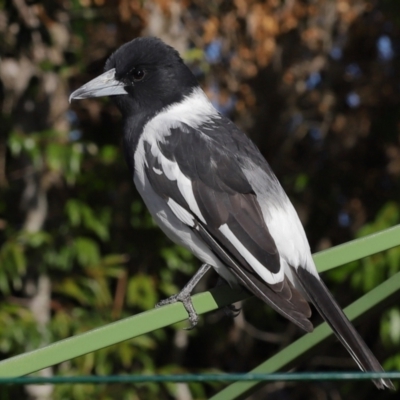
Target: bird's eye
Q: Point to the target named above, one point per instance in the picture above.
(138, 74)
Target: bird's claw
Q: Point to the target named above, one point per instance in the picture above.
(186, 300)
(231, 311)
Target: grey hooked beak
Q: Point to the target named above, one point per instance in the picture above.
(103, 85)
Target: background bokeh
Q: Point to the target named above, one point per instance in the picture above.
(315, 83)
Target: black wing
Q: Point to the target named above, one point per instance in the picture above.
(213, 158)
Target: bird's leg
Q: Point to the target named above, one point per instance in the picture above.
(184, 296)
(230, 311)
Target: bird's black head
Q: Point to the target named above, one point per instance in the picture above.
(144, 76)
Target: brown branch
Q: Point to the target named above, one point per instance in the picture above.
(119, 297)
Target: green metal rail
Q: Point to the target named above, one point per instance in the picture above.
(157, 318)
(297, 349)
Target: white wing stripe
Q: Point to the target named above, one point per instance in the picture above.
(171, 169)
(173, 173)
(185, 187)
(262, 271)
(181, 213)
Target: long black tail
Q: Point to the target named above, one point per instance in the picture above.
(326, 305)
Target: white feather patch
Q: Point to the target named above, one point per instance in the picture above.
(194, 110)
(260, 269)
(282, 220)
(170, 168)
(185, 187)
(290, 238)
(181, 213)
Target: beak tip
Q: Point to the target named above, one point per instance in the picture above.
(77, 95)
(103, 85)
(74, 96)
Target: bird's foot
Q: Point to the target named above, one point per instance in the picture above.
(186, 300)
(231, 311)
(184, 296)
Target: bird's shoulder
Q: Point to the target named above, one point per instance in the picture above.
(214, 151)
